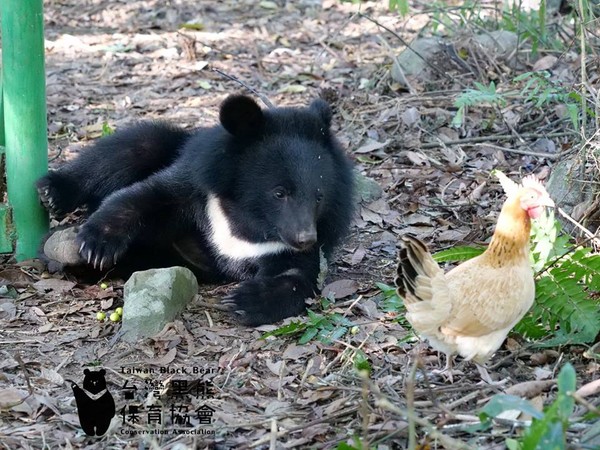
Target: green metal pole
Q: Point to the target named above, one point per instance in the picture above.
(24, 89)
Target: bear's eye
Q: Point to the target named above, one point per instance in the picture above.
(319, 197)
(279, 193)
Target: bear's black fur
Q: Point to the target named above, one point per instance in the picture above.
(95, 414)
(252, 199)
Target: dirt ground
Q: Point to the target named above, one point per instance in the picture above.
(115, 62)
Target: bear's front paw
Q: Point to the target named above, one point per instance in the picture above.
(57, 194)
(265, 300)
(101, 245)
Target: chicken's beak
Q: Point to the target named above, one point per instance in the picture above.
(547, 201)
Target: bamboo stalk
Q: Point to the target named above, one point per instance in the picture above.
(24, 101)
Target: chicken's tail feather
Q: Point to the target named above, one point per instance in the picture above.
(416, 268)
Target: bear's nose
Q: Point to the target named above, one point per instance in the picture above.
(306, 239)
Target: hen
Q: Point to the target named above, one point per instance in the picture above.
(471, 309)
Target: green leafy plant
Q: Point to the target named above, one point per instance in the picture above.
(564, 310)
(548, 428)
(391, 302)
(107, 130)
(481, 95)
(541, 91)
(325, 328)
(460, 253)
(529, 25)
(357, 445)
(399, 5)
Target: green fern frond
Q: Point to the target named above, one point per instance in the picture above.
(564, 304)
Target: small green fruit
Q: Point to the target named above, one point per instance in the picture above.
(119, 311)
(114, 317)
(100, 315)
(103, 286)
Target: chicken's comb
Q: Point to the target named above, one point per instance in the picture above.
(531, 181)
(509, 186)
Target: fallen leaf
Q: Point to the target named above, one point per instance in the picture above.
(453, 235)
(591, 388)
(51, 375)
(370, 216)
(276, 407)
(14, 276)
(296, 352)
(164, 360)
(371, 146)
(292, 89)
(275, 366)
(379, 206)
(45, 328)
(416, 158)
(8, 311)
(268, 5)
(530, 389)
(545, 63)
(53, 285)
(417, 219)
(11, 397)
(340, 289)
(411, 117)
(358, 255)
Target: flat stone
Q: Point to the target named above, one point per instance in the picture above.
(62, 247)
(154, 298)
(367, 189)
(413, 60)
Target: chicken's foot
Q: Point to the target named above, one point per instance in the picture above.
(485, 376)
(447, 372)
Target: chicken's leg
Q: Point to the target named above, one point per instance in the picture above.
(447, 371)
(485, 376)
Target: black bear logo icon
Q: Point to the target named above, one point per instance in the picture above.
(95, 404)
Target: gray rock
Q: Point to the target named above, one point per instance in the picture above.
(570, 187)
(412, 60)
(61, 249)
(501, 43)
(367, 190)
(153, 298)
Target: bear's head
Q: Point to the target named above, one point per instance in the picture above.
(278, 171)
(94, 381)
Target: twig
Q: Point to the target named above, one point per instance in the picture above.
(523, 152)
(364, 406)
(283, 433)
(273, 443)
(411, 89)
(262, 97)
(448, 442)
(583, 402)
(582, 66)
(499, 137)
(593, 237)
(407, 45)
(410, 406)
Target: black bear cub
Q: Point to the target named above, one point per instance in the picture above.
(253, 199)
(96, 410)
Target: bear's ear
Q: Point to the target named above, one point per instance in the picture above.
(323, 110)
(86, 371)
(102, 372)
(241, 116)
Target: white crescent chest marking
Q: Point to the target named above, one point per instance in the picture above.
(227, 244)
